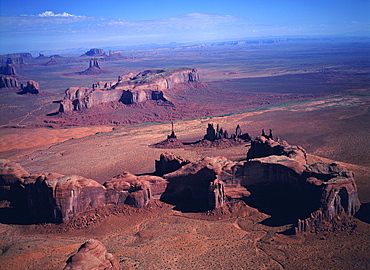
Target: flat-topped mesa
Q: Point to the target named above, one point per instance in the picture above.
(8, 69)
(95, 53)
(57, 198)
(264, 146)
(128, 89)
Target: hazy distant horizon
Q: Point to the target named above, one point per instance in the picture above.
(45, 25)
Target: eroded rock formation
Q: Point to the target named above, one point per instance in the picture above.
(168, 163)
(263, 147)
(11, 173)
(218, 133)
(52, 197)
(197, 186)
(94, 69)
(92, 255)
(58, 198)
(8, 69)
(317, 193)
(275, 179)
(8, 82)
(32, 87)
(51, 62)
(133, 190)
(94, 53)
(129, 89)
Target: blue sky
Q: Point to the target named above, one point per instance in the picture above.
(50, 25)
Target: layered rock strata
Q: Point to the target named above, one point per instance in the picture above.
(52, 197)
(136, 191)
(129, 89)
(275, 176)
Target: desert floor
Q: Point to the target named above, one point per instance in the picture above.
(158, 237)
(313, 95)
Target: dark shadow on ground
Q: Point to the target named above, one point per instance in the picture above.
(364, 213)
(283, 203)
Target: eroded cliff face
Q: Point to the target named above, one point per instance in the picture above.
(277, 181)
(128, 89)
(8, 82)
(53, 197)
(58, 198)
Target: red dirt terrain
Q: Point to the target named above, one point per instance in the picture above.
(319, 102)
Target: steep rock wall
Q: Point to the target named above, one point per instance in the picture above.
(147, 85)
(8, 82)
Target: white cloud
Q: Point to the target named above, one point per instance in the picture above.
(52, 14)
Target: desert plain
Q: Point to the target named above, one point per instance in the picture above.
(312, 93)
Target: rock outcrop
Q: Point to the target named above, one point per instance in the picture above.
(197, 186)
(317, 193)
(94, 69)
(8, 82)
(275, 179)
(11, 174)
(52, 197)
(339, 199)
(51, 62)
(264, 147)
(136, 191)
(95, 53)
(168, 163)
(130, 89)
(8, 69)
(214, 138)
(58, 198)
(14, 60)
(92, 255)
(32, 87)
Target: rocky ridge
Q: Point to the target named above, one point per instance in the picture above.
(313, 195)
(128, 89)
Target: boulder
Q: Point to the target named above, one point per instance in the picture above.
(92, 255)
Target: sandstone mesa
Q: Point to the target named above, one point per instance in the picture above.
(321, 192)
(128, 89)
